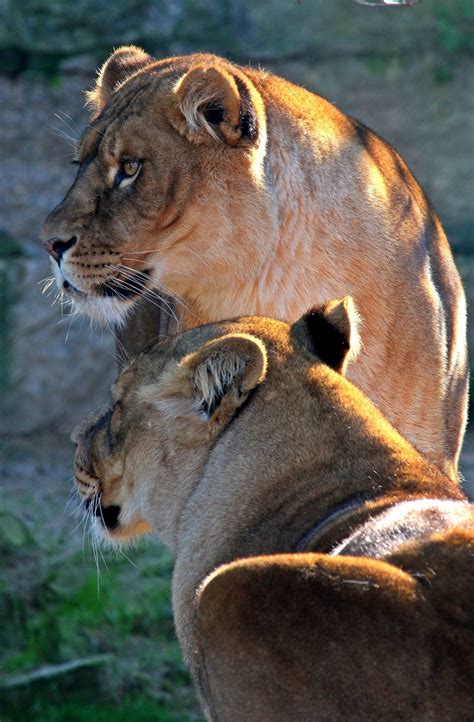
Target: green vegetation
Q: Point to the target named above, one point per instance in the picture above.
(121, 626)
(131, 708)
(40, 34)
(9, 246)
(455, 25)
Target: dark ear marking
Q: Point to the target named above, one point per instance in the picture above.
(330, 332)
(213, 105)
(325, 340)
(248, 116)
(213, 113)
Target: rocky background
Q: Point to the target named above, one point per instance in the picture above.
(406, 72)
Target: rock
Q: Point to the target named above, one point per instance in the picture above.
(60, 29)
(56, 369)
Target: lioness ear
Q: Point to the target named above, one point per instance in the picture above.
(123, 63)
(224, 372)
(211, 104)
(331, 332)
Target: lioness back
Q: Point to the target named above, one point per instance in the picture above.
(238, 192)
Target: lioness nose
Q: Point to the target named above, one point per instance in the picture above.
(56, 247)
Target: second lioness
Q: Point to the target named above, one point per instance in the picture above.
(243, 447)
(245, 194)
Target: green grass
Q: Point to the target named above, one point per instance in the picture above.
(56, 614)
(140, 708)
(9, 246)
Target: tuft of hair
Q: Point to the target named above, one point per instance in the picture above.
(215, 377)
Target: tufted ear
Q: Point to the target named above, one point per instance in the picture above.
(123, 63)
(211, 104)
(331, 332)
(210, 384)
(223, 373)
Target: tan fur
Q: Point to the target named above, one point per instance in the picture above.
(266, 217)
(234, 442)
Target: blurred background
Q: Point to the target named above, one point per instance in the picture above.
(77, 643)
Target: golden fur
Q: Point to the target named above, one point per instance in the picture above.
(323, 567)
(256, 196)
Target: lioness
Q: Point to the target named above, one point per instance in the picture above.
(324, 570)
(240, 193)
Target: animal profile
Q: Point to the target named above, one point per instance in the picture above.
(323, 567)
(239, 193)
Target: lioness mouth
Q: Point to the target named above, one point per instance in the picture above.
(107, 515)
(67, 286)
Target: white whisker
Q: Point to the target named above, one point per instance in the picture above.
(151, 295)
(47, 283)
(120, 551)
(121, 354)
(61, 115)
(175, 271)
(63, 135)
(150, 250)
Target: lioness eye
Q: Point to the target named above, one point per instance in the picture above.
(130, 167)
(127, 171)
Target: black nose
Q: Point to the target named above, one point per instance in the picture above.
(56, 247)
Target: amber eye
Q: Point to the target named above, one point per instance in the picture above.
(130, 167)
(127, 171)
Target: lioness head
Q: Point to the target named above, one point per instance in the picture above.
(139, 460)
(165, 138)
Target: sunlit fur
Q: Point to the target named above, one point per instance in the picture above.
(232, 441)
(267, 213)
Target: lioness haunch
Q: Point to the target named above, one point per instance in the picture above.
(324, 570)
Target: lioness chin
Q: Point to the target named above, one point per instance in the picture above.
(239, 193)
(323, 567)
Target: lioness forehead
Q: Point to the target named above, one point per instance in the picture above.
(120, 112)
